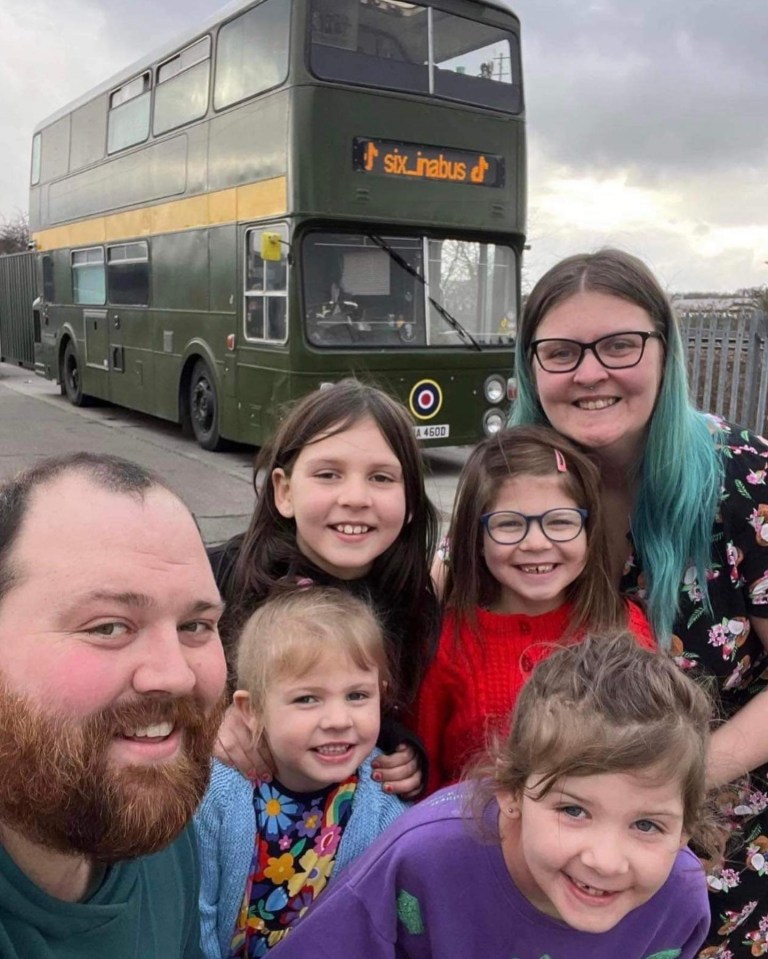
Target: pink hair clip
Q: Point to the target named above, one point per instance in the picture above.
(560, 460)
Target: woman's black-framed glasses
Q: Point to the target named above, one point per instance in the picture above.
(617, 351)
(507, 527)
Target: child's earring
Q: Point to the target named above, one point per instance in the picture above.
(509, 803)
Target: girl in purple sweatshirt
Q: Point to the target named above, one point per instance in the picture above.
(572, 845)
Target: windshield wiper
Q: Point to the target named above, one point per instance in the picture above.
(405, 265)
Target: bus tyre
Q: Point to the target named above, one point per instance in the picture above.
(71, 377)
(204, 408)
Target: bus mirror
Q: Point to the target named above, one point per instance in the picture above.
(270, 247)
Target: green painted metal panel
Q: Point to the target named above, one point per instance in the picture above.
(17, 293)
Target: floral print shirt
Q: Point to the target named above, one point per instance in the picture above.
(297, 835)
(723, 645)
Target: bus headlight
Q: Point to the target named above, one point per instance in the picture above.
(493, 422)
(494, 389)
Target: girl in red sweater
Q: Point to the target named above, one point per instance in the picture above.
(527, 572)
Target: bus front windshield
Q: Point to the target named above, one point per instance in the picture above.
(377, 291)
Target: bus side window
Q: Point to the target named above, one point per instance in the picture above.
(128, 274)
(252, 53)
(181, 95)
(49, 293)
(88, 279)
(128, 121)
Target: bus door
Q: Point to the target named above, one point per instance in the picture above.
(130, 329)
(263, 358)
(96, 328)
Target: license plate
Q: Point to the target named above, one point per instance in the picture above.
(432, 432)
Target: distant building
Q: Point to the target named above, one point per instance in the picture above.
(694, 304)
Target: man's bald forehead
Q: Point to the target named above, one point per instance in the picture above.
(110, 473)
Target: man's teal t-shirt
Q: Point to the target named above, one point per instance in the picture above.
(145, 908)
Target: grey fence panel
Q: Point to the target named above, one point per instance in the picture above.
(17, 293)
(694, 366)
(762, 389)
(728, 365)
(712, 333)
(738, 346)
(750, 377)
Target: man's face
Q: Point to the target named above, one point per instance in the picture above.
(111, 671)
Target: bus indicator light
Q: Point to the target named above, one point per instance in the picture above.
(426, 399)
(394, 158)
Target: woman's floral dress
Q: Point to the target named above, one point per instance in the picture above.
(725, 646)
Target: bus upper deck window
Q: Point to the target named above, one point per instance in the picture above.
(252, 53)
(406, 46)
(384, 45)
(128, 121)
(36, 158)
(181, 95)
(475, 62)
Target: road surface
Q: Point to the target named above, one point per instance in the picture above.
(36, 421)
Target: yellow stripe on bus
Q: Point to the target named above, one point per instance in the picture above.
(248, 202)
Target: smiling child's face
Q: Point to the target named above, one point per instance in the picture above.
(595, 847)
(322, 724)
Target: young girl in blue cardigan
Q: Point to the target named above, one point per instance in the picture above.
(311, 669)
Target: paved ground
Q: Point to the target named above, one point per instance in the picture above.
(36, 421)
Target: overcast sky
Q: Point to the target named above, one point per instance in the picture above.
(647, 119)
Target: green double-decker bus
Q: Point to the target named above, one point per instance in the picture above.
(295, 192)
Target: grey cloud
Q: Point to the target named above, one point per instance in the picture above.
(649, 86)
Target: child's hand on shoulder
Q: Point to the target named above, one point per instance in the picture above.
(234, 746)
(399, 772)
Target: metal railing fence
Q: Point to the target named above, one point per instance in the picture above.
(17, 291)
(728, 365)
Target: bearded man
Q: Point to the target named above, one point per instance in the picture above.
(111, 677)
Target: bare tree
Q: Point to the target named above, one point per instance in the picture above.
(759, 298)
(14, 234)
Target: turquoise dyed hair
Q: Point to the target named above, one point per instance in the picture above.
(681, 471)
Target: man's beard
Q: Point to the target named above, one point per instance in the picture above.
(58, 790)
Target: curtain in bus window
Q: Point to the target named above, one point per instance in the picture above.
(365, 273)
(252, 53)
(128, 124)
(88, 279)
(385, 45)
(128, 121)
(475, 62)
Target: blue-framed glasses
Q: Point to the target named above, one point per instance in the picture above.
(617, 351)
(507, 527)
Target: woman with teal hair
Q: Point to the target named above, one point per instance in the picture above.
(600, 358)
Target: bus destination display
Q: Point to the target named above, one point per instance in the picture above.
(394, 158)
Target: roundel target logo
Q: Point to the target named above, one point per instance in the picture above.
(426, 399)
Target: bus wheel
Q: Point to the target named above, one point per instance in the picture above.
(204, 408)
(71, 379)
